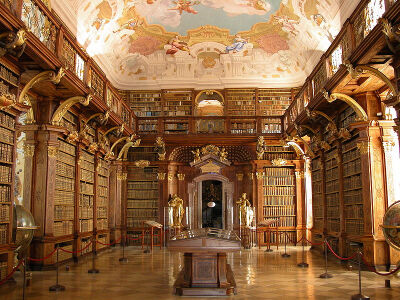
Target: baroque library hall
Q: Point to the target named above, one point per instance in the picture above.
(160, 149)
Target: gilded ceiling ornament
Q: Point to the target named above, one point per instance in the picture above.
(142, 163)
(209, 62)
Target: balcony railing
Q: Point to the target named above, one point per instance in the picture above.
(51, 32)
(354, 31)
(210, 125)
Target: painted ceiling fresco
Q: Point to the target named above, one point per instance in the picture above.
(206, 43)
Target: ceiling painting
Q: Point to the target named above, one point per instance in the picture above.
(225, 43)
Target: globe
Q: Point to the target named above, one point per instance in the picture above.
(391, 225)
(23, 229)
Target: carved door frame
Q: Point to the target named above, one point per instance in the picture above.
(195, 200)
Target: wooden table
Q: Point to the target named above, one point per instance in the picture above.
(205, 271)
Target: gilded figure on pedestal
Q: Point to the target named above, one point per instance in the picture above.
(176, 211)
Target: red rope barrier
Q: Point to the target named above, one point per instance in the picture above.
(314, 244)
(131, 239)
(44, 258)
(372, 269)
(293, 242)
(78, 251)
(113, 243)
(12, 272)
(339, 257)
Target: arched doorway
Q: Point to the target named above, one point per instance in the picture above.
(219, 216)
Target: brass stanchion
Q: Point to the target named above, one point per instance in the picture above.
(303, 264)
(359, 296)
(326, 275)
(24, 283)
(57, 287)
(123, 258)
(285, 255)
(93, 270)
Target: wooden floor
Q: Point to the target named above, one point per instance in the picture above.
(259, 275)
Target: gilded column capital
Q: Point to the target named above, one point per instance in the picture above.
(259, 175)
(29, 150)
(122, 176)
(170, 177)
(363, 147)
(161, 176)
(52, 151)
(181, 176)
(239, 176)
(388, 146)
(250, 175)
(299, 174)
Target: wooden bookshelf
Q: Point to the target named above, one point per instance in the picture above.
(142, 196)
(142, 153)
(273, 102)
(102, 200)
(64, 199)
(317, 196)
(147, 126)
(271, 125)
(241, 102)
(172, 126)
(279, 200)
(144, 103)
(177, 102)
(276, 152)
(7, 161)
(86, 197)
(332, 193)
(243, 126)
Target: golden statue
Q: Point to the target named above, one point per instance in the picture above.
(246, 212)
(223, 154)
(176, 211)
(196, 154)
(260, 147)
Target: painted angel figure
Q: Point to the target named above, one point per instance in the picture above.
(287, 24)
(256, 4)
(185, 5)
(176, 45)
(130, 25)
(237, 45)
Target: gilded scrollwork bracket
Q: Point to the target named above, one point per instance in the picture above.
(66, 105)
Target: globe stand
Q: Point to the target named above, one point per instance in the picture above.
(359, 296)
(326, 275)
(57, 287)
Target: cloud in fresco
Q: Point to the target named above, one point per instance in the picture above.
(239, 7)
(159, 11)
